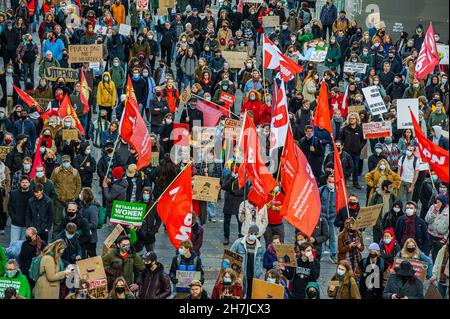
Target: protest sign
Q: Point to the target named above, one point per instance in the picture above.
(318, 56)
(235, 59)
(266, 290)
(367, 216)
(356, 108)
(186, 277)
(443, 53)
(206, 188)
(99, 29)
(377, 129)
(155, 159)
(124, 29)
(127, 213)
(163, 11)
(80, 53)
(4, 150)
(166, 3)
(432, 292)
(351, 67)
(228, 99)
(252, 1)
(94, 65)
(112, 237)
(42, 101)
(374, 100)
(52, 73)
(142, 5)
(70, 134)
(420, 267)
(235, 262)
(403, 115)
(232, 128)
(270, 21)
(6, 283)
(185, 96)
(92, 270)
(287, 252)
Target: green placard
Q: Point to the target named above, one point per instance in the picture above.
(127, 213)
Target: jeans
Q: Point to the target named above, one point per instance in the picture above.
(433, 246)
(403, 193)
(17, 233)
(332, 236)
(211, 210)
(355, 173)
(28, 72)
(188, 80)
(442, 290)
(226, 225)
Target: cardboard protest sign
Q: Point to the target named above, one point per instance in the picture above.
(266, 290)
(99, 29)
(166, 3)
(403, 115)
(206, 188)
(124, 29)
(235, 260)
(432, 292)
(443, 52)
(232, 128)
(142, 5)
(53, 73)
(420, 267)
(235, 59)
(185, 96)
(270, 21)
(112, 237)
(79, 53)
(186, 277)
(70, 134)
(287, 252)
(377, 129)
(127, 213)
(228, 99)
(4, 151)
(155, 159)
(163, 11)
(92, 270)
(367, 216)
(351, 67)
(374, 100)
(356, 108)
(6, 283)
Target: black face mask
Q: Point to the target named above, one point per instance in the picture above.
(28, 239)
(120, 290)
(373, 256)
(410, 250)
(312, 294)
(71, 214)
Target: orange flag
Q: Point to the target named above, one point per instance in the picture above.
(66, 109)
(339, 182)
(29, 100)
(322, 117)
(175, 207)
(84, 93)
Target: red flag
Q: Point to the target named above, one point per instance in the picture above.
(37, 159)
(78, 3)
(31, 7)
(339, 181)
(175, 207)
(228, 99)
(435, 156)
(27, 99)
(275, 60)
(288, 162)
(301, 206)
(181, 134)
(240, 7)
(253, 167)
(428, 57)
(280, 120)
(84, 93)
(322, 117)
(65, 109)
(211, 114)
(133, 130)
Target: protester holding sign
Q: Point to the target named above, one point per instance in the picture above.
(228, 286)
(403, 284)
(343, 283)
(411, 250)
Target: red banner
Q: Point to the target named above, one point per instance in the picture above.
(428, 57)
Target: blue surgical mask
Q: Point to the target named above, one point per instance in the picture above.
(66, 165)
(271, 280)
(434, 178)
(136, 77)
(340, 272)
(181, 251)
(252, 237)
(227, 280)
(105, 78)
(27, 167)
(11, 273)
(39, 174)
(146, 197)
(382, 167)
(387, 241)
(67, 124)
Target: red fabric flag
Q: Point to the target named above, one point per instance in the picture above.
(240, 7)
(253, 167)
(280, 120)
(65, 109)
(288, 162)
(339, 181)
(322, 117)
(84, 93)
(37, 159)
(275, 60)
(435, 156)
(175, 207)
(31, 7)
(134, 131)
(211, 114)
(181, 134)
(301, 206)
(27, 99)
(428, 57)
(228, 99)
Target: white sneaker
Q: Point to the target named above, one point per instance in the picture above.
(2, 232)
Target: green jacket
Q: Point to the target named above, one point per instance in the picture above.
(305, 38)
(19, 282)
(46, 64)
(118, 76)
(334, 53)
(438, 119)
(2, 261)
(132, 263)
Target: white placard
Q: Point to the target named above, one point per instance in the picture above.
(100, 29)
(318, 56)
(403, 116)
(374, 100)
(443, 53)
(350, 67)
(125, 30)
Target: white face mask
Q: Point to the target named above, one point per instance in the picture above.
(409, 212)
(396, 209)
(308, 253)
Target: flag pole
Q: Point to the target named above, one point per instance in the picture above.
(112, 155)
(202, 98)
(156, 201)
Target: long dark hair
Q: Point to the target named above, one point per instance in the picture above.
(167, 171)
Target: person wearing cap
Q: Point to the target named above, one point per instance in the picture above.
(115, 189)
(373, 268)
(192, 115)
(67, 183)
(437, 219)
(196, 291)
(413, 226)
(136, 183)
(403, 284)
(155, 283)
(252, 252)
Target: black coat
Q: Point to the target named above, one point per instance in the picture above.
(40, 213)
(412, 288)
(86, 165)
(141, 90)
(168, 36)
(368, 272)
(17, 207)
(83, 228)
(301, 275)
(155, 284)
(353, 139)
(195, 117)
(3, 85)
(233, 195)
(315, 159)
(14, 159)
(141, 182)
(346, 160)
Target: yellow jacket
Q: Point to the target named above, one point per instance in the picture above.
(377, 176)
(106, 92)
(118, 12)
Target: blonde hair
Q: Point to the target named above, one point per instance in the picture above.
(53, 250)
(355, 114)
(405, 253)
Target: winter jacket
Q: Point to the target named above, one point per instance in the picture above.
(374, 178)
(45, 64)
(115, 46)
(90, 214)
(375, 288)
(437, 223)
(155, 284)
(245, 217)
(118, 76)
(395, 90)
(67, 183)
(320, 234)
(188, 65)
(168, 36)
(353, 139)
(86, 166)
(163, 106)
(389, 258)
(301, 275)
(193, 263)
(421, 231)
(328, 14)
(25, 127)
(334, 53)
(106, 93)
(413, 288)
(40, 213)
(327, 203)
(118, 12)
(133, 265)
(347, 289)
(140, 87)
(438, 265)
(116, 191)
(51, 275)
(55, 47)
(233, 195)
(346, 160)
(17, 207)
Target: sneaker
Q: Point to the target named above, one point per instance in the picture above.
(2, 232)
(333, 259)
(226, 242)
(213, 220)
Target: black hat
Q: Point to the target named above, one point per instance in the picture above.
(405, 269)
(109, 144)
(21, 137)
(150, 256)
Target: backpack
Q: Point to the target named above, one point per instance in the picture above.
(35, 267)
(305, 16)
(13, 251)
(402, 160)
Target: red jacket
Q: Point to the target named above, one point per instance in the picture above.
(274, 216)
(236, 291)
(172, 97)
(261, 112)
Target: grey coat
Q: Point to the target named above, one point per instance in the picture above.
(413, 289)
(90, 213)
(116, 191)
(189, 65)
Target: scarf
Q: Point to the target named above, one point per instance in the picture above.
(410, 228)
(390, 247)
(38, 244)
(443, 278)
